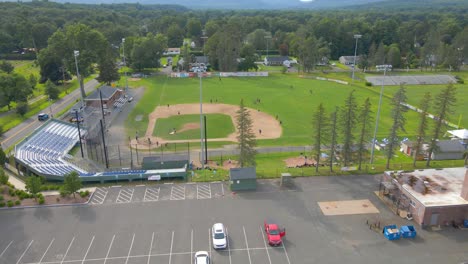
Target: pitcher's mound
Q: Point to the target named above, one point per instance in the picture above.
(348, 207)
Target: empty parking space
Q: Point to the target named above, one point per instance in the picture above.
(177, 192)
(138, 194)
(99, 196)
(151, 194)
(203, 191)
(166, 246)
(125, 195)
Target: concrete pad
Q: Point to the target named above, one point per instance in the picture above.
(348, 207)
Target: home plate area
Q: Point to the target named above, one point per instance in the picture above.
(348, 207)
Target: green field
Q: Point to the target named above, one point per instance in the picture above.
(217, 126)
(292, 97)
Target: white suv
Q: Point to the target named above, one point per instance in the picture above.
(218, 233)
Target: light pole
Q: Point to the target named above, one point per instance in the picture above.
(460, 58)
(356, 36)
(204, 39)
(384, 68)
(201, 123)
(50, 107)
(125, 65)
(267, 41)
(76, 53)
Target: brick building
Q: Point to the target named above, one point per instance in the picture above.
(110, 96)
(433, 196)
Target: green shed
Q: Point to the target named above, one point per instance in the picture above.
(243, 179)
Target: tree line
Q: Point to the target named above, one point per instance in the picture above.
(345, 133)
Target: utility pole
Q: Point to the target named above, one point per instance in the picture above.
(76, 53)
(357, 36)
(267, 41)
(201, 123)
(125, 65)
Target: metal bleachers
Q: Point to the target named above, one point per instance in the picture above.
(44, 151)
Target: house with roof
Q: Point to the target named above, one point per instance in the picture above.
(171, 52)
(447, 150)
(277, 61)
(348, 60)
(110, 97)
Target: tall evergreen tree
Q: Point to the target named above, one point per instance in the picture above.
(443, 107)
(319, 132)
(246, 137)
(364, 120)
(422, 126)
(347, 123)
(398, 122)
(334, 136)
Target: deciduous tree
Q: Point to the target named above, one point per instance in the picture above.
(33, 185)
(72, 183)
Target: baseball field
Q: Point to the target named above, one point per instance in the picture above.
(286, 103)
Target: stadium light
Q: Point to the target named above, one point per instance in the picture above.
(76, 53)
(384, 68)
(125, 65)
(356, 36)
(201, 123)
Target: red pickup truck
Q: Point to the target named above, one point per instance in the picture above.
(274, 233)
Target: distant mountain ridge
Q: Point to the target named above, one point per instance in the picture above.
(237, 4)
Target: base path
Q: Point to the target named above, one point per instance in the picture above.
(270, 127)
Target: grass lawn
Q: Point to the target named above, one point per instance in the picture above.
(292, 97)
(218, 126)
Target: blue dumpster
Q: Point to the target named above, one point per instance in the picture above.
(465, 223)
(391, 232)
(408, 231)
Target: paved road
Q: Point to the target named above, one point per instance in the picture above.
(12, 136)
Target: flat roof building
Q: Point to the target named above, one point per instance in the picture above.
(432, 196)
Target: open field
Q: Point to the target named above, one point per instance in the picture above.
(289, 96)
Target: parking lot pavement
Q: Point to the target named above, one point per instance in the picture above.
(158, 246)
(158, 192)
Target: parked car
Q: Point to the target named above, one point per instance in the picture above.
(42, 117)
(130, 99)
(274, 233)
(218, 234)
(201, 257)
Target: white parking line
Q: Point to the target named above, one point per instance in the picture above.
(228, 247)
(125, 195)
(50, 244)
(151, 194)
(130, 249)
(170, 252)
(178, 192)
(108, 251)
(222, 188)
(6, 248)
(203, 191)
(99, 196)
(247, 245)
(151, 248)
(191, 242)
(87, 251)
(264, 242)
(209, 239)
(22, 255)
(285, 252)
(66, 252)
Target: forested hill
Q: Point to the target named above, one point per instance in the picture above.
(410, 6)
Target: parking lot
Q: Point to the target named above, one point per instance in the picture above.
(247, 244)
(158, 192)
(138, 232)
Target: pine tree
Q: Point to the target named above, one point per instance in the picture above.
(246, 137)
(348, 117)
(422, 127)
(319, 128)
(399, 120)
(364, 120)
(333, 134)
(443, 107)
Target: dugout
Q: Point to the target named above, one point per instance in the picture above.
(243, 179)
(167, 164)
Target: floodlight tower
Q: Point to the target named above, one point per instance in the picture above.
(125, 65)
(76, 53)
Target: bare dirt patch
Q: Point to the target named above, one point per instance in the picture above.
(301, 161)
(227, 164)
(348, 207)
(189, 126)
(264, 125)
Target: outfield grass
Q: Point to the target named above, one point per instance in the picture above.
(218, 126)
(292, 97)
